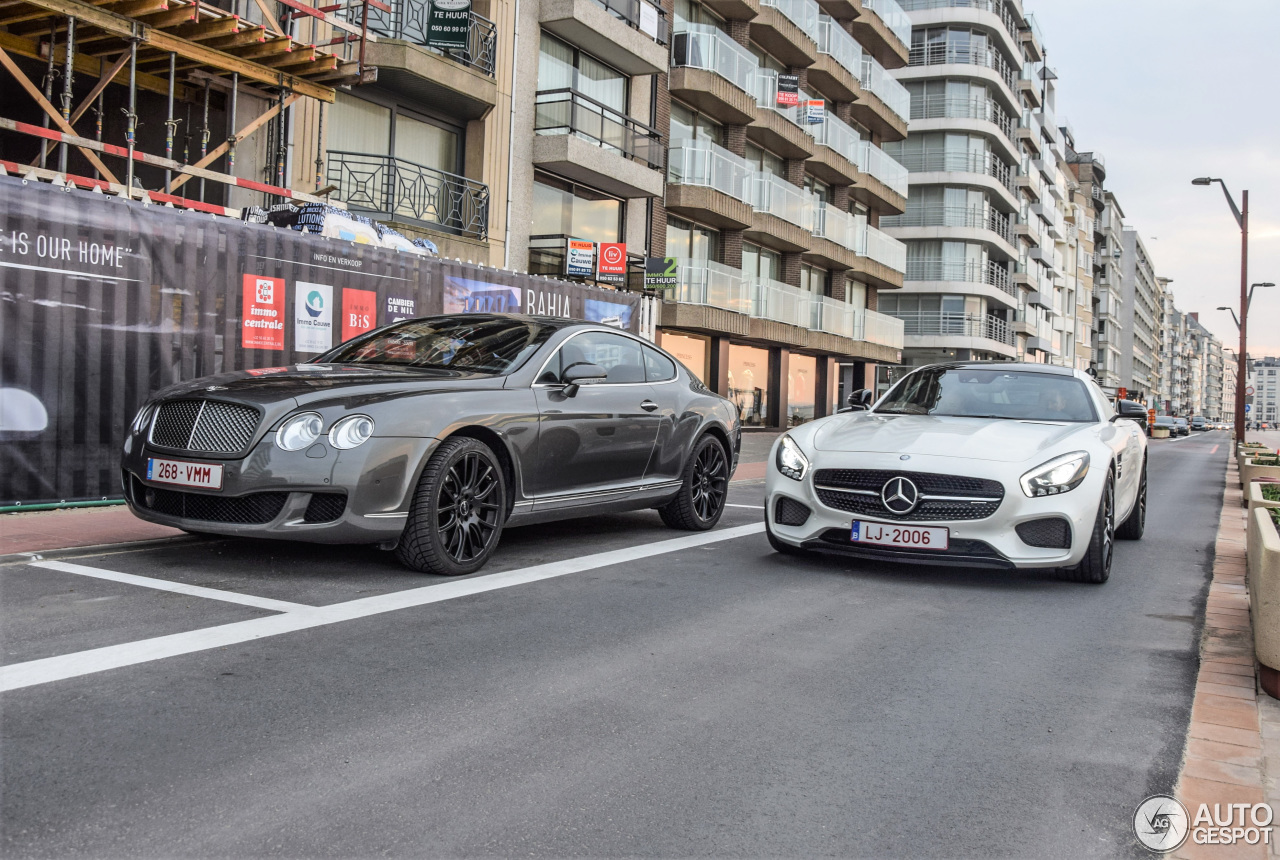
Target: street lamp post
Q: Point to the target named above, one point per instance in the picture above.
(1242, 218)
(1241, 380)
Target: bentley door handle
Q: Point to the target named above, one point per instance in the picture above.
(648, 406)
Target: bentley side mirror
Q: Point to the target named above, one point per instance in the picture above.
(582, 373)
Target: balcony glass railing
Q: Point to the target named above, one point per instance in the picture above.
(878, 81)
(843, 48)
(776, 196)
(847, 231)
(705, 164)
(970, 271)
(888, 11)
(632, 12)
(886, 250)
(802, 13)
(997, 7)
(765, 89)
(839, 137)
(940, 53)
(978, 217)
(567, 111)
(774, 300)
(407, 20)
(960, 162)
(702, 282)
(881, 328)
(960, 107)
(702, 46)
(878, 163)
(394, 189)
(944, 323)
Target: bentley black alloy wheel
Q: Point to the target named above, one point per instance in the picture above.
(700, 502)
(458, 510)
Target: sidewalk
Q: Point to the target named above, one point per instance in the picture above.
(1233, 742)
(42, 531)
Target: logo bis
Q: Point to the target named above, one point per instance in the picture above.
(315, 303)
(266, 291)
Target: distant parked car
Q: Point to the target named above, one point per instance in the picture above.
(1166, 422)
(1198, 423)
(1181, 426)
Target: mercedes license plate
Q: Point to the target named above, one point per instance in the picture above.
(910, 537)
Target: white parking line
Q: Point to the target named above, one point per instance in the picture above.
(65, 666)
(178, 587)
(752, 507)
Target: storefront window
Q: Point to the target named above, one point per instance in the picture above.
(802, 378)
(749, 383)
(690, 351)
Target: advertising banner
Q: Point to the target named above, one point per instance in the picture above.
(579, 258)
(612, 265)
(312, 317)
(815, 111)
(448, 23)
(106, 301)
(661, 273)
(789, 90)
(262, 323)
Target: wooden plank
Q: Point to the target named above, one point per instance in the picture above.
(247, 36)
(173, 17)
(163, 41)
(212, 28)
(87, 65)
(269, 17)
(35, 93)
(322, 66)
(137, 8)
(296, 57)
(271, 47)
(216, 153)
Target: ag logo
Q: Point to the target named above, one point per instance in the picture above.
(1161, 823)
(899, 496)
(315, 303)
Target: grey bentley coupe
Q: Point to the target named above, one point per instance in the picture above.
(429, 436)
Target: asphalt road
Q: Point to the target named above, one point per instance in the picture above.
(712, 700)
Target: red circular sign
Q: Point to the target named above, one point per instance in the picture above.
(612, 255)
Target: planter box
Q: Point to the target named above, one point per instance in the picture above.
(1249, 472)
(1253, 496)
(1159, 432)
(1264, 595)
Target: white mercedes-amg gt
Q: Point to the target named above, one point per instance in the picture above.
(987, 464)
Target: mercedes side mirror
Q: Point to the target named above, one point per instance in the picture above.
(1130, 409)
(582, 373)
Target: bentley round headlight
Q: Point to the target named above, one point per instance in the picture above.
(299, 431)
(351, 431)
(791, 460)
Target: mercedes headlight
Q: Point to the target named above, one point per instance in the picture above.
(791, 460)
(1059, 475)
(299, 431)
(351, 431)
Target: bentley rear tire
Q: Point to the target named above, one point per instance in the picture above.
(704, 490)
(458, 510)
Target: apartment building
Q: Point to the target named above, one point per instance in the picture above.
(1139, 325)
(1266, 389)
(1230, 370)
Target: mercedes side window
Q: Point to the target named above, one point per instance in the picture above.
(657, 367)
(621, 357)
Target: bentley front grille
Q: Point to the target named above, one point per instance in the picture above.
(204, 426)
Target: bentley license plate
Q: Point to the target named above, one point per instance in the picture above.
(184, 474)
(911, 537)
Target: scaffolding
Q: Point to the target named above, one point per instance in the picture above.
(182, 49)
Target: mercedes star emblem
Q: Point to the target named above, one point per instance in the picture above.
(899, 496)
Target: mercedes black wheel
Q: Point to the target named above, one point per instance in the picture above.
(704, 490)
(458, 510)
(1136, 522)
(1095, 567)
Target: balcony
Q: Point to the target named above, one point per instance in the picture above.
(780, 128)
(784, 213)
(774, 300)
(584, 140)
(458, 81)
(973, 12)
(881, 260)
(981, 163)
(885, 104)
(788, 29)
(709, 184)
(714, 74)
(401, 192)
(836, 157)
(838, 238)
(976, 110)
(838, 70)
(887, 173)
(943, 324)
(940, 54)
(886, 31)
(964, 271)
(967, 217)
(615, 29)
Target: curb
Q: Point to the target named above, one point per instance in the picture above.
(94, 549)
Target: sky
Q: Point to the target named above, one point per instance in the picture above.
(1168, 90)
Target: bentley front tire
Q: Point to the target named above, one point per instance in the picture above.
(458, 510)
(704, 490)
(1095, 567)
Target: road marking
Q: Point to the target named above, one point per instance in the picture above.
(752, 507)
(177, 587)
(1214, 449)
(49, 669)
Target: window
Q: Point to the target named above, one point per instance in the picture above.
(764, 161)
(689, 350)
(565, 209)
(760, 262)
(818, 188)
(690, 241)
(691, 12)
(802, 380)
(492, 346)
(562, 66)
(687, 124)
(749, 382)
(620, 356)
(814, 280)
(360, 126)
(657, 367)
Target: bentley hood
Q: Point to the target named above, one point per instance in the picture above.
(308, 383)
(998, 440)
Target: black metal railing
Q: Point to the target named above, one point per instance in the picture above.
(633, 12)
(408, 20)
(567, 111)
(398, 190)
